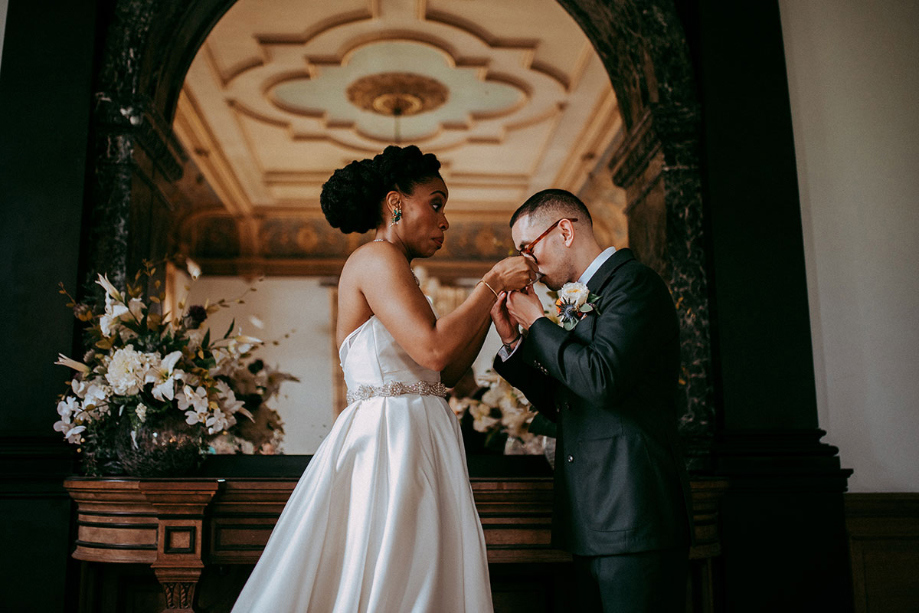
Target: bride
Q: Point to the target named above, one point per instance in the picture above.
(383, 518)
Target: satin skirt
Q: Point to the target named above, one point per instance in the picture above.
(382, 520)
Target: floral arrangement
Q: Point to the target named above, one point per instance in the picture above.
(143, 367)
(573, 303)
(501, 409)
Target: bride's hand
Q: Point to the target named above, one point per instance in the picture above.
(513, 273)
(505, 325)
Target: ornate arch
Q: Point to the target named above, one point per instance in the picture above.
(149, 45)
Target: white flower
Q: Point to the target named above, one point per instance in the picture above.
(194, 403)
(229, 401)
(193, 269)
(218, 421)
(515, 422)
(96, 396)
(114, 311)
(574, 293)
(484, 424)
(482, 420)
(193, 399)
(68, 408)
(109, 288)
(70, 432)
(164, 376)
(127, 370)
(79, 387)
(134, 310)
(241, 344)
(63, 360)
(141, 412)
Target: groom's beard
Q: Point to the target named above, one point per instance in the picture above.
(552, 284)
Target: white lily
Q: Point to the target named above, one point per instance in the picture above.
(164, 376)
(241, 344)
(109, 288)
(63, 360)
(114, 313)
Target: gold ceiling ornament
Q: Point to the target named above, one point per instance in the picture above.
(397, 94)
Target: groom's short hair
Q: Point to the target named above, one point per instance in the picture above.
(553, 202)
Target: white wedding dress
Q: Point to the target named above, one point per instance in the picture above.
(383, 519)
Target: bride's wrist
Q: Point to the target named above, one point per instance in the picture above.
(482, 281)
(493, 281)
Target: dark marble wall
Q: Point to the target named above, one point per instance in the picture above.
(645, 50)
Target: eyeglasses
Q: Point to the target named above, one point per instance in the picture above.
(528, 249)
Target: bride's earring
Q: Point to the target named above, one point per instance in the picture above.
(396, 214)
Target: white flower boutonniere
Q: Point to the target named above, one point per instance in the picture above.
(574, 302)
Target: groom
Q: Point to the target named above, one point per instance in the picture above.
(622, 505)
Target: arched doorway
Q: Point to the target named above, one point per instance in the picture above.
(150, 46)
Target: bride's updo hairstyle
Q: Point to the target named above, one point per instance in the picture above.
(352, 198)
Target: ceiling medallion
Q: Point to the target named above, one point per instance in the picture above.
(397, 94)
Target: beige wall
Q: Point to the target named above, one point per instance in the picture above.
(284, 305)
(3, 5)
(854, 84)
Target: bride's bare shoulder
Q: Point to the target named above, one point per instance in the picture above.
(374, 258)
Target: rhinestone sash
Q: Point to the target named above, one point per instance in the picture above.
(397, 388)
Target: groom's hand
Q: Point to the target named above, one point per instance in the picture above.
(525, 307)
(505, 325)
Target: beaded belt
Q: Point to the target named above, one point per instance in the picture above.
(397, 388)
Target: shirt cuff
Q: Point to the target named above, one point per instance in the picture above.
(506, 354)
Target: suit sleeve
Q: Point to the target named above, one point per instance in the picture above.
(536, 386)
(635, 317)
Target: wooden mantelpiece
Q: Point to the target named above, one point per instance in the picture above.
(179, 526)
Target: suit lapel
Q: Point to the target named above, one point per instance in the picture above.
(597, 283)
(609, 268)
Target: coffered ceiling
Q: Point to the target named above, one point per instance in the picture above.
(509, 94)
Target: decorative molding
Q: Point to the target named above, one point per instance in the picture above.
(180, 595)
(785, 460)
(179, 539)
(597, 134)
(634, 155)
(193, 129)
(526, 45)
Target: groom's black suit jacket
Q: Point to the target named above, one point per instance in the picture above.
(611, 384)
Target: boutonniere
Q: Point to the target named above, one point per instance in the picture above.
(574, 302)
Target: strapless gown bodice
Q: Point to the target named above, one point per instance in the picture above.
(370, 356)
